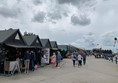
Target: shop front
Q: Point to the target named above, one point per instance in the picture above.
(46, 50)
(12, 43)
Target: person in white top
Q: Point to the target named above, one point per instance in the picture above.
(74, 58)
(79, 60)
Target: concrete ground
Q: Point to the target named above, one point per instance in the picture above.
(95, 71)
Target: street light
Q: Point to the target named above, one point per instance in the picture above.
(115, 40)
(115, 44)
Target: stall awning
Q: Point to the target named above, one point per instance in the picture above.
(21, 46)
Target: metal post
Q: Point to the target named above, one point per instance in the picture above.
(115, 48)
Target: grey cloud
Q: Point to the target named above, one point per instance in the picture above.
(68, 1)
(9, 12)
(37, 2)
(53, 22)
(105, 0)
(18, 1)
(82, 20)
(58, 12)
(87, 41)
(54, 15)
(65, 14)
(78, 3)
(39, 17)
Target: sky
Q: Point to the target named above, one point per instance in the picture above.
(85, 24)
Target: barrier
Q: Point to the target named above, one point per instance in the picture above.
(11, 67)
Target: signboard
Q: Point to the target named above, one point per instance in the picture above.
(46, 55)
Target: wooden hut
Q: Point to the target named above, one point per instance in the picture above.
(46, 49)
(11, 44)
(54, 47)
(34, 43)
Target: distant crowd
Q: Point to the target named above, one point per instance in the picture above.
(78, 58)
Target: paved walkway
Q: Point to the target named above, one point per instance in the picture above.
(95, 71)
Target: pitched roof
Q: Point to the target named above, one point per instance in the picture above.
(46, 43)
(54, 44)
(12, 38)
(29, 39)
(32, 40)
(5, 34)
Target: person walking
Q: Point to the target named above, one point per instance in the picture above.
(79, 60)
(74, 58)
(32, 60)
(59, 58)
(27, 61)
(84, 58)
(53, 60)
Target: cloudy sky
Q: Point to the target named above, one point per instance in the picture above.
(82, 23)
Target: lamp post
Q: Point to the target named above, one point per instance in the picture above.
(115, 44)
